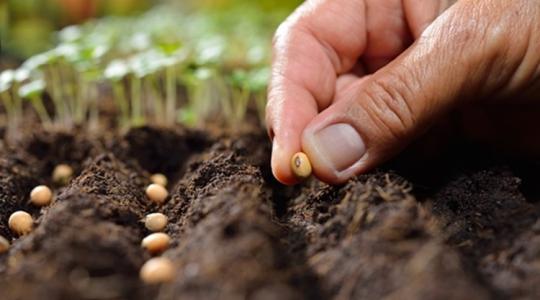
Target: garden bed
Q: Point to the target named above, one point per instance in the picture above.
(465, 229)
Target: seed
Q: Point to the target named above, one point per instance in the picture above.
(300, 166)
(41, 195)
(20, 222)
(160, 179)
(62, 174)
(157, 270)
(156, 242)
(155, 222)
(4, 244)
(156, 193)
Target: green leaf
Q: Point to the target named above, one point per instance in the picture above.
(32, 89)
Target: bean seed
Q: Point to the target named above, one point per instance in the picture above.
(300, 166)
(156, 242)
(41, 195)
(156, 193)
(62, 174)
(21, 222)
(155, 222)
(160, 179)
(4, 244)
(157, 270)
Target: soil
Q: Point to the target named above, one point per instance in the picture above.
(463, 227)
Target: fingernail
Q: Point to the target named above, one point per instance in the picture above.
(340, 145)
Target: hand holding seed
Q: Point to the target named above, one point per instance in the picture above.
(300, 165)
(355, 82)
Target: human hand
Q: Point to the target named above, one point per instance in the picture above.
(355, 81)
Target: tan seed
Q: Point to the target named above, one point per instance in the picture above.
(160, 179)
(21, 222)
(156, 242)
(62, 174)
(41, 195)
(156, 193)
(157, 270)
(155, 222)
(4, 244)
(300, 166)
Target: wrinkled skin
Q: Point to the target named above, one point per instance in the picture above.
(393, 70)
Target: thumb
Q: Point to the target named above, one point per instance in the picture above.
(378, 116)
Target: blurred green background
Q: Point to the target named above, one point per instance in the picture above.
(27, 26)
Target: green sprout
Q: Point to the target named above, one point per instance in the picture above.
(6, 81)
(115, 72)
(33, 91)
(216, 66)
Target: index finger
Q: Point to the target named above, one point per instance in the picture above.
(321, 40)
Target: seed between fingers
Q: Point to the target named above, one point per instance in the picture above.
(300, 166)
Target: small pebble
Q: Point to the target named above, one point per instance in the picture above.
(41, 195)
(300, 166)
(62, 174)
(160, 179)
(157, 270)
(21, 222)
(156, 242)
(4, 244)
(156, 193)
(155, 222)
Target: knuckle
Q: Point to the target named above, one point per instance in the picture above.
(387, 101)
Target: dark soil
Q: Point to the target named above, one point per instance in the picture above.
(465, 227)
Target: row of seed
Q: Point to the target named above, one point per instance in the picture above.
(21, 222)
(155, 270)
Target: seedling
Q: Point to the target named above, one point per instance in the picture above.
(160, 179)
(300, 166)
(157, 270)
(33, 91)
(21, 222)
(156, 242)
(6, 80)
(156, 193)
(115, 72)
(41, 195)
(62, 174)
(155, 222)
(4, 244)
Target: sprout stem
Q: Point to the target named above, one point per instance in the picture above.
(121, 101)
(8, 105)
(156, 100)
(137, 117)
(170, 86)
(82, 102)
(57, 97)
(43, 115)
(94, 107)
